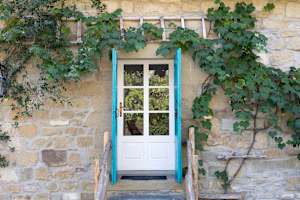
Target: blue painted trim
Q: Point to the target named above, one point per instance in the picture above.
(178, 131)
(114, 117)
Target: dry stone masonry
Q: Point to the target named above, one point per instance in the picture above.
(55, 148)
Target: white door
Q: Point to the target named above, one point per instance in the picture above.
(146, 138)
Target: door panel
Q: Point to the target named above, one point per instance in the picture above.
(146, 139)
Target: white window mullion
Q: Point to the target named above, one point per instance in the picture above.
(146, 99)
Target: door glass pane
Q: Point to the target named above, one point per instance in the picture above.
(159, 124)
(159, 75)
(134, 99)
(159, 99)
(133, 124)
(133, 75)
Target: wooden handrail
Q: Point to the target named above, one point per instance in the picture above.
(101, 170)
(191, 178)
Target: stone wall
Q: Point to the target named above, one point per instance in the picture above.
(55, 148)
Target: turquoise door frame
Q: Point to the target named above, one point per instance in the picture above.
(178, 131)
(114, 116)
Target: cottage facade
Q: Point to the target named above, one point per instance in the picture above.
(56, 148)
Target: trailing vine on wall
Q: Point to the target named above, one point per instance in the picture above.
(255, 91)
(36, 33)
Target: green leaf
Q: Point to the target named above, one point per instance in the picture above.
(269, 7)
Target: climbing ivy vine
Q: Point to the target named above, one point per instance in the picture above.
(35, 32)
(255, 91)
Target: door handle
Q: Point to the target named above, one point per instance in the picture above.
(120, 109)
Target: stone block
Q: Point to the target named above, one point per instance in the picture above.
(54, 158)
(41, 143)
(25, 174)
(22, 197)
(52, 187)
(292, 9)
(87, 196)
(61, 142)
(67, 114)
(31, 187)
(79, 103)
(219, 101)
(111, 5)
(5, 196)
(41, 173)
(42, 196)
(27, 158)
(127, 6)
(87, 186)
(28, 131)
(93, 120)
(293, 183)
(87, 88)
(64, 174)
(71, 196)
(279, 164)
(69, 186)
(85, 141)
(157, 9)
(227, 124)
(262, 141)
(275, 24)
(206, 4)
(74, 131)
(8, 175)
(288, 33)
(13, 188)
(74, 159)
(288, 196)
(274, 153)
(282, 58)
(59, 122)
(276, 44)
(294, 43)
(51, 131)
(41, 115)
(191, 6)
(263, 58)
(56, 196)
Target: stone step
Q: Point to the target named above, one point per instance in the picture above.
(150, 185)
(146, 195)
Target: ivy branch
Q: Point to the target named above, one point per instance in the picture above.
(37, 32)
(255, 91)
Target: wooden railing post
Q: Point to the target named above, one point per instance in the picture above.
(101, 170)
(192, 185)
(190, 193)
(105, 139)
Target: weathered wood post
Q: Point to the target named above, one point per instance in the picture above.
(194, 160)
(101, 175)
(192, 176)
(96, 174)
(190, 193)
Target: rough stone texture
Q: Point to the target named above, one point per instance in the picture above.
(292, 9)
(55, 149)
(26, 158)
(54, 157)
(41, 173)
(28, 131)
